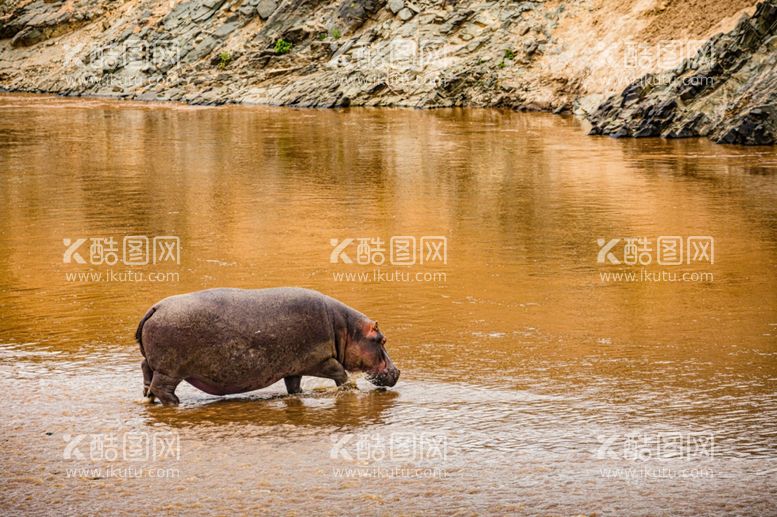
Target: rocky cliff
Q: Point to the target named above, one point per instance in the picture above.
(727, 91)
(590, 55)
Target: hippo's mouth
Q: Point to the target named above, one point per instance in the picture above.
(386, 377)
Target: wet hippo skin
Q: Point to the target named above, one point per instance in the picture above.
(226, 341)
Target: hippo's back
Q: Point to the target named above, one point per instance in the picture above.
(239, 306)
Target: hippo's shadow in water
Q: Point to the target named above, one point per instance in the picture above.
(320, 408)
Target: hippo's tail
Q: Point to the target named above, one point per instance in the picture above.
(139, 332)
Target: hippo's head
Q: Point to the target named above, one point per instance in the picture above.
(366, 352)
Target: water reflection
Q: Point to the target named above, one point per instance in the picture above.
(522, 356)
(326, 409)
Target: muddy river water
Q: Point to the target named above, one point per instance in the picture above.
(584, 325)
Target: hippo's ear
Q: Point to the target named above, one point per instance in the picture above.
(370, 328)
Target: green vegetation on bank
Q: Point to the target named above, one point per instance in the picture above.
(282, 46)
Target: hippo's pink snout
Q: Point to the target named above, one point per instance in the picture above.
(386, 376)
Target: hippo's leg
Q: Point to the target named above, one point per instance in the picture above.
(148, 375)
(293, 384)
(163, 387)
(332, 369)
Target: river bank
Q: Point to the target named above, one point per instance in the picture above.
(711, 62)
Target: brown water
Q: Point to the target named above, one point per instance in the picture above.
(527, 375)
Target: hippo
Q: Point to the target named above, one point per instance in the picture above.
(224, 341)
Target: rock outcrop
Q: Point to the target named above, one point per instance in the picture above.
(535, 54)
(728, 91)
